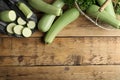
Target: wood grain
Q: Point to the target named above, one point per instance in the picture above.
(81, 51)
(61, 73)
(63, 51)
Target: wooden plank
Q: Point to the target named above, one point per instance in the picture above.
(63, 51)
(81, 27)
(61, 73)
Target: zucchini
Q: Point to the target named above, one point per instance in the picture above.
(65, 19)
(20, 21)
(104, 16)
(8, 15)
(31, 24)
(26, 32)
(40, 5)
(9, 28)
(18, 29)
(109, 8)
(46, 21)
(25, 9)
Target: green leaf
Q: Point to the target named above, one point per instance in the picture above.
(83, 4)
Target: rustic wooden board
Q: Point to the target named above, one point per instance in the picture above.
(63, 51)
(81, 51)
(61, 73)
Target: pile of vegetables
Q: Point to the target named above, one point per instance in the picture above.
(102, 10)
(55, 17)
(17, 18)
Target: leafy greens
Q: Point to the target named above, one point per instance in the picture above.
(116, 4)
(83, 4)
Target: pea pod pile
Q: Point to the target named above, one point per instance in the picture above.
(17, 18)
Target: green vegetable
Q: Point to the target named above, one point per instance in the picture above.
(25, 9)
(18, 29)
(116, 4)
(20, 21)
(26, 32)
(46, 21)
(9, 28)
(83, 4)
(109, 8)
(8, 15)
(40, 5)
(104, 16)
(67, 17)
(31, 24)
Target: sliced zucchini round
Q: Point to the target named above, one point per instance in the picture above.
(12, 15)
(31, 24)
(18, 29)
(9, 28)
(20, 21)
(26, 32)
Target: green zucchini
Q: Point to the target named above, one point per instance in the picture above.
(104, 16)
(25, 9)
(109, 7)
(40, 5)
(20, 21)
(8, 15)
(65, 19)
(18, 29)
(10, 27)
(46, 21)
(31, 24)
(26, 32)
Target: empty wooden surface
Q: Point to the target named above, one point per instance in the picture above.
(81, 51)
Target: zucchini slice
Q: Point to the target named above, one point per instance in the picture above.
(26, 32)
(18, 29)
(31, 24)
(20, 21)
(9, 28)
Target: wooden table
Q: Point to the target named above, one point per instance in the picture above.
(82, 51)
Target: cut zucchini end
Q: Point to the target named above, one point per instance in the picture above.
(31, 24)
(29, 15)
(10, 28)
(12, 15)
(26, 32)
(18, 29)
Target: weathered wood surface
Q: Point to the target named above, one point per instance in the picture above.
(61, 73)
(63, 51)
(81, 51)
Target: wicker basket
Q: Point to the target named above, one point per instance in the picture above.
(96, 20)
